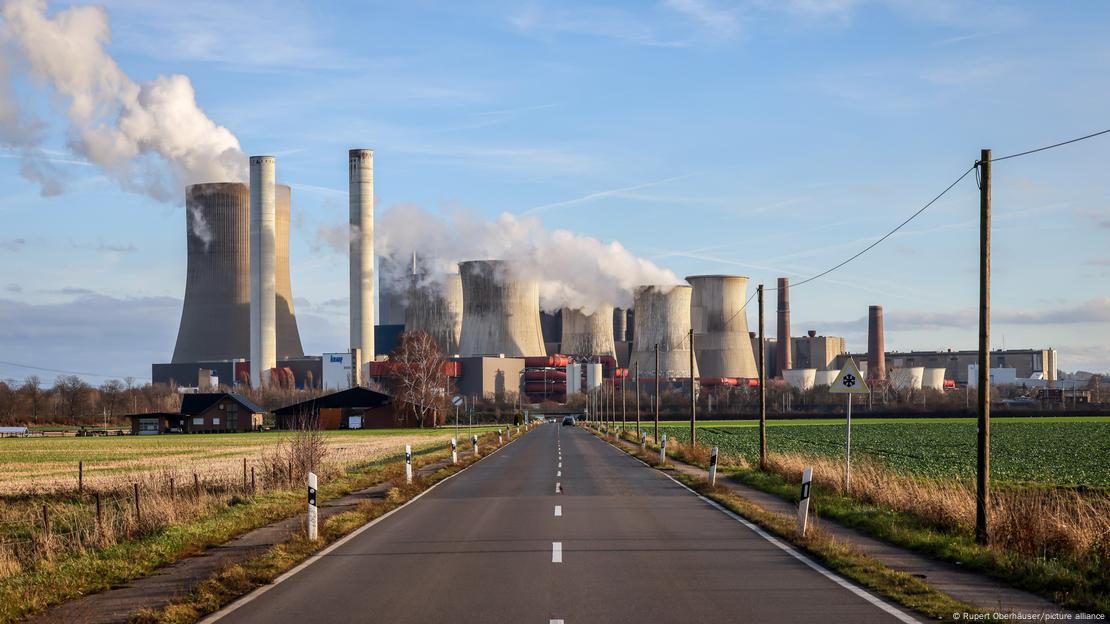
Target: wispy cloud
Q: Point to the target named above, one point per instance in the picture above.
(13, 244)
(718, 21)
(592, 197)
(542, 22)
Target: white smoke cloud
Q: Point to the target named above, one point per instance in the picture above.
(573, 270)
(198, 225)
(150, 137)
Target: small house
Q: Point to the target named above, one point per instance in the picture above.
(353, 408)
(203, 412)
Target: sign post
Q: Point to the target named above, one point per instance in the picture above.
(408, 463)
(454, 451)
(713, 467)
(803, 501)
(313, 513)
(456, 401)
(848, 381)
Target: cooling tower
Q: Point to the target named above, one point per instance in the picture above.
(588, 334)
(360, 200)
(436, 309)
(933, 378)
(783, 361)
(721, 342)
(663, 318)
(876, 354)
(908, 378)
(501, 313)
(215, 318)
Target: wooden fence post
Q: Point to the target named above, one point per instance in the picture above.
(252, 480)
(173, 490)
(46, 521)
(244, 474)
(99, 514)
(80, 477)
(196, 485)
(138, 512)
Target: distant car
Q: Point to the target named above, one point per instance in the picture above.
(568, 421)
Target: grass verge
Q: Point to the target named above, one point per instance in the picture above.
(54, 581)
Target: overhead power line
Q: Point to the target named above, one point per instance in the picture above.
(69, 372)
(974, 167)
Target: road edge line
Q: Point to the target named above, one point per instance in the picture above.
(258, 592)
(787, 548)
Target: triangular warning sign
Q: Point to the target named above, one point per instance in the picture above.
(849, 380)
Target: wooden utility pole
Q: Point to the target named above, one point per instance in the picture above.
(982, 481)
(762, 387)
(637, 400)
(693, 395)
(657, 392)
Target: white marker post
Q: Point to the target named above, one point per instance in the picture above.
(713, 467)
(803, 502)
(474, 443)
(848, 381)
(499, 437)
(454, 451)
(663, 451)
(408, 463)
(313, 513)
(643, 441)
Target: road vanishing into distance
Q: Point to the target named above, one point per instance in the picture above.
(560, 527)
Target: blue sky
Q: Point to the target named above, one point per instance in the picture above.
(753, 137)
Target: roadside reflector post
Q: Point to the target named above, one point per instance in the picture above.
(713, 468)
(474, 444)
(803, 501)
(408, 463)
(313, 513)
(643, 441)
(663, 450)
(454, 451)
(499, 437)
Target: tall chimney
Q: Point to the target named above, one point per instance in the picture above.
(361, 200)
(263, 263)
(876, 344)
(784, 361)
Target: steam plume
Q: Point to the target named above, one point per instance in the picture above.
(574, 270)
(150, 137)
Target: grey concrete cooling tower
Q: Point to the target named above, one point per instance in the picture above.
(215, 317)
(436, 308)
(501, 312)
(663, 318)
(360, 200)
(721, 342)
(588, 334)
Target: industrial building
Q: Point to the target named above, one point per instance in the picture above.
(1025, 363)
(353, 408)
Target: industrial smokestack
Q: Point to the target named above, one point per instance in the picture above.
(216, 312)
(263, 254)
(620, 324)
(588, 334)
(784, 361)
(361, 203)
(721, 342)
(435, 308)
(662, 318)
(501, 312)
(876, 344)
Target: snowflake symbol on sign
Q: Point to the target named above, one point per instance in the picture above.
(849, 380)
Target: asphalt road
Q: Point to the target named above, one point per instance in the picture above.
(618, 542)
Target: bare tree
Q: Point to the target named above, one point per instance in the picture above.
(111, 397)
(33, 394)
(418, 378)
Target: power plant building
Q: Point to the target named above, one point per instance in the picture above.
(1026, 363)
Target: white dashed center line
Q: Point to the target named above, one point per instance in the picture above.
(556, 552)
(554, 622)
(559, 473)
(558, 511)
(558, 488)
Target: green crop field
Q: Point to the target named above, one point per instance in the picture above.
(1050, 451)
